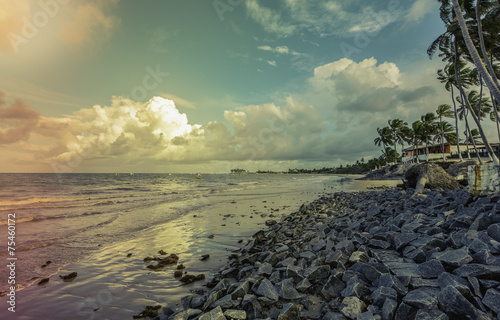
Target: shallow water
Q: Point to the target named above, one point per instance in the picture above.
(142, 219)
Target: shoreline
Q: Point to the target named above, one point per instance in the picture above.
(114, 284)
(388, 256)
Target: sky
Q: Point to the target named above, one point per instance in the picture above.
(209, 86)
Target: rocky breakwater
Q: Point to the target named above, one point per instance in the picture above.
(365, 255)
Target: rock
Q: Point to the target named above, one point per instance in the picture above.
(189, 278)
(357, 256)
(492, 300)
(241, 290)
(69, 277)
(317, 273)
(43, 281)
(266, 289)
(446, 279)
(405, 312)
(479, 271)
(334, 316)
(390, 281)
(355, 288)
(148, 312)
(434, 314)
(332, 288)
(235, 314)
(303, 285)
(389, 309)
(429, 176)
(404, 239)
(382, 294)
(215, 314)
(403, 269)
(453, 258)
(420, 299)
(265, 269)
(251, 306)
(225, 302)
(431, 269)
(286, 290)
(289, 312)
(367, 315)
(204, 257)
(456, 306)
(494, 231)
(352, 306)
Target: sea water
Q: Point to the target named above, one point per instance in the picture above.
(103, 225)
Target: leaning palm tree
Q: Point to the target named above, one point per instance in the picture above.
(446, 133)
(488, 78)
(443, 110)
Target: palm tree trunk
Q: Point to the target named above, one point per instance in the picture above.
(466, 101)
(456, 121)
(427, 149)
(488, 79)
(483, 47)
(442, 137)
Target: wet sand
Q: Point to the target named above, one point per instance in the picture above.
(111, 285)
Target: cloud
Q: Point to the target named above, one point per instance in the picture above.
(179, 101)
(12, 20)
(17, 121)
(90, 22)
(270, 20)
(279, 50)
(420, 9)
(272, 63)
(325, 17)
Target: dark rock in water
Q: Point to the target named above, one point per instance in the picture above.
(180, 267)
(148, 312)
(69, 277)
(129, 255)
(492, 300)
(43, 281)
(431, 269)
(178, 274)
(189, 278)
(204, 257)
(457, 307)
(289, 312)
(162, 252)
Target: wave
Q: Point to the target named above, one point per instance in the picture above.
(36, 219)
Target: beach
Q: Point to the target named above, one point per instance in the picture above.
(217, 217)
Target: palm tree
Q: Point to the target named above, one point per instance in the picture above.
(478, 62)
(429, 129)
(443, 110)
(397, 127)
(489, 79)
(446, 133)
(384, 138)
(416, 137)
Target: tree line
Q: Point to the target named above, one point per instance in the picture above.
(470, 49)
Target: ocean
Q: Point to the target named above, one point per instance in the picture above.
(102, 226)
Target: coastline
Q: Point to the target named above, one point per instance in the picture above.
(113, 284)
(388, 256)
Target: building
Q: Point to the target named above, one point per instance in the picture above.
(434, 151)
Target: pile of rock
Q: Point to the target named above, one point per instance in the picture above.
(365, 255)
